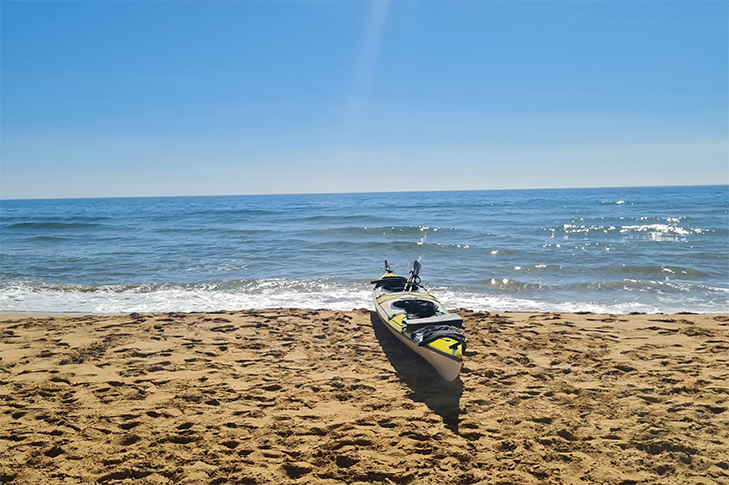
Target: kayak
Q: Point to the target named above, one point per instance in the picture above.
(419, 321)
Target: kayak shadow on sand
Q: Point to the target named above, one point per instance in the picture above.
(427, 386)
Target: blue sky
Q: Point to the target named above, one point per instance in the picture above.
(203, 98)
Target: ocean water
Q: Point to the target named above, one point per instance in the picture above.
(617, 250)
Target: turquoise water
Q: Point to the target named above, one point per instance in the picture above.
(661, 249)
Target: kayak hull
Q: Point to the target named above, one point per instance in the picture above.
(448, 369)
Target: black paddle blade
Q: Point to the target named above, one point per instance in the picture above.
(414, 268)
(387, 267)
(413, 278)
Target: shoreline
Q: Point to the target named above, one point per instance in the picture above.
(329, 397)
(36, 314)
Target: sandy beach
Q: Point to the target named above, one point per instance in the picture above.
(326, 397)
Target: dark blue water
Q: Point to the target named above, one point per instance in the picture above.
(606, 250)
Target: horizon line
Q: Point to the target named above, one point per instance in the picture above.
(365, 192)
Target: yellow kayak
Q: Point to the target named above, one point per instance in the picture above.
(418, 320)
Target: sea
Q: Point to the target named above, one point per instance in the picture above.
(602, 250)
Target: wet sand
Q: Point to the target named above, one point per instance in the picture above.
(325, 397)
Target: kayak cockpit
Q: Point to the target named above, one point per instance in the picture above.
(391, 283)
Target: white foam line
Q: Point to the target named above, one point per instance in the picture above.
(25, 298)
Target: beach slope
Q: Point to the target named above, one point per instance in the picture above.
(326, 397)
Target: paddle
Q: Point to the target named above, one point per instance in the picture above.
(414, 268)
(413, 278)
